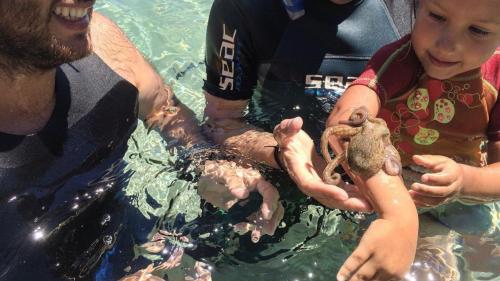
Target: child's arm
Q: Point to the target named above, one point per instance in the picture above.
(451, 180)
(483, 182)
(388, 246)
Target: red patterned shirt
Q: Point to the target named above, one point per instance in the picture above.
(449, 117)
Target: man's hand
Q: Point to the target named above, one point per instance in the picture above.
(444, 184)
(224, 183)
(304, 166)
(385, 252)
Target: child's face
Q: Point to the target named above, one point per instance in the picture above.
(451, 37)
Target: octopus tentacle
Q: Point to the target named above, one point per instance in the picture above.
(325, 145)
(329, 176)
(392, 164)
(340, 131)
(357, 118)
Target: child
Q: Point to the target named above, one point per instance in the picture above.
(437, 90)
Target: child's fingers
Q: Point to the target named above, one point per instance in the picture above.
(429, 161)
(440, 178)
(431, 190)
(353, 263)
(422, 201)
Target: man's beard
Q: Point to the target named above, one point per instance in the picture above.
(26, 45)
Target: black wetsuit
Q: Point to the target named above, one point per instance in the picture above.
(299, 67)
(55, 186)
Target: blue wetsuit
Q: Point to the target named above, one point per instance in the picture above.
(299, 67)
(57, 187)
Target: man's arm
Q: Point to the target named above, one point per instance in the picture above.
(231, 67)
(158, 106)
(157, 103)
(226, 125)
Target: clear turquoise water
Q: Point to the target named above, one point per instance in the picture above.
(171, 36)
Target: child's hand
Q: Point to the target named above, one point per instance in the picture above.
(385, 252)
(444, 184)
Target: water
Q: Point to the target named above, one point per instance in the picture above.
(312, 242)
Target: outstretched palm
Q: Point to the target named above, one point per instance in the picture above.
(304, 166)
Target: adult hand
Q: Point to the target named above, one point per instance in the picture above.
(304, 166)
(385, 252)
(223, 183)
(444, 184)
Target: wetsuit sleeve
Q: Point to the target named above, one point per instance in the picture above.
(491, 73)
(392, 70)
(230, 61)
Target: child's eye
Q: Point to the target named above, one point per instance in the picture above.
(436, 17)
(478, 31)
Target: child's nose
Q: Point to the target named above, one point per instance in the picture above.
(448, 41)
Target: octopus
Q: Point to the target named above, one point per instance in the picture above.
(369, 147)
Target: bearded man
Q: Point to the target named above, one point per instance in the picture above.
(72, 86)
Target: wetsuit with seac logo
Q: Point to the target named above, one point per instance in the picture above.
(57, 187)
(295, 67)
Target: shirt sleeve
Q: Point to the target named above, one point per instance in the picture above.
(491, 73)
(230, 61)
(392, 70)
